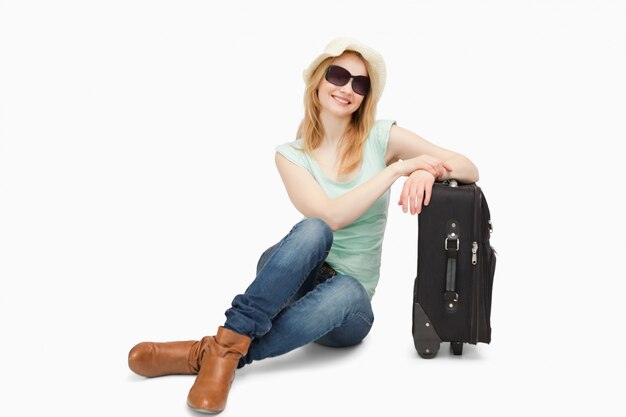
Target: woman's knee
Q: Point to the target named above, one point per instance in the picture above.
(316, 230)
(310, 237)
(311, 233)
(350, 334)
(350, 290)
(346, 298)
(358, 317)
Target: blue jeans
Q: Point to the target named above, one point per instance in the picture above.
(290, 303)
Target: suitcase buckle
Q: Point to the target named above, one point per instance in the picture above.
(445, 245)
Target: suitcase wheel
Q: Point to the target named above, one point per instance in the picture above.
(428, 352)
(456, 347)
(428, 355)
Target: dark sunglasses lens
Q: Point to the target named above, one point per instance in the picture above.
(361, 85)
(337, 75)
(340, 76)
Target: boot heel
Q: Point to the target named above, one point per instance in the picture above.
(220, 358)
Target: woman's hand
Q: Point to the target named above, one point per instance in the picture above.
(422, 171)
(417, 188)
(428, 163)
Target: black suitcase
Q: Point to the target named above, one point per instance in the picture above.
(455, 269)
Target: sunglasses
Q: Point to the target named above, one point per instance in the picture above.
(340, 76)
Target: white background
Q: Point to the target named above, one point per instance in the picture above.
(138, 188)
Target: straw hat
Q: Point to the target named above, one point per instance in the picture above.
(378, 71)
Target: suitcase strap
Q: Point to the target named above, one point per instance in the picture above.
(451, 245)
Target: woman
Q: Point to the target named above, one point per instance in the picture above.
(316, 284)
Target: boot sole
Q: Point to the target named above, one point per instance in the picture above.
(204, 411)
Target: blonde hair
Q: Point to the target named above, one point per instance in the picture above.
(351, 143)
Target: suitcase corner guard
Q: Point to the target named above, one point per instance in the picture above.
(425, 338)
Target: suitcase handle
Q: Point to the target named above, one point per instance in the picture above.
(451, 246)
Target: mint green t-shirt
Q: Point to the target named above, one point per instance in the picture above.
(357, 248)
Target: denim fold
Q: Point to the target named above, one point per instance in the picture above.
(293, 301)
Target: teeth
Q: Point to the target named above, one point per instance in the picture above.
(341, 100)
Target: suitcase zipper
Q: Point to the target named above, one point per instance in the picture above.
(475, 306)
(474, 253)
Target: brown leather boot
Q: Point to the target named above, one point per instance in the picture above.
(219, 359)
(170, 358)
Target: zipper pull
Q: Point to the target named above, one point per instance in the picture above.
(474, 252)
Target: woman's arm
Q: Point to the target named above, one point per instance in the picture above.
(404, 144)
(310, 200)
(417, 188)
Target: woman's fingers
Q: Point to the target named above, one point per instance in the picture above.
(435, 166)
(411, 197)
(427, 193)
(404, 196)
(427, 165)
(417, 197)
(416, 192)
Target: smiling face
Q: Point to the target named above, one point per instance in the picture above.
(342, 101)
